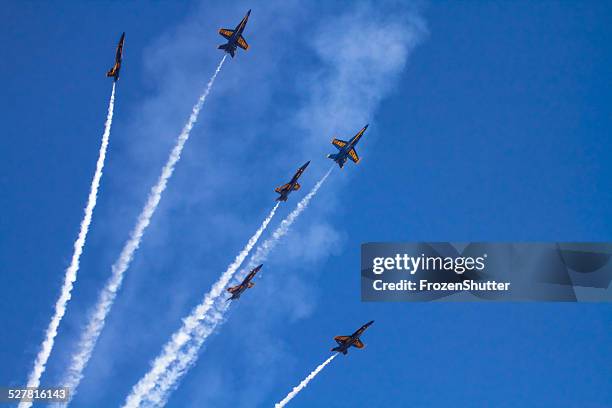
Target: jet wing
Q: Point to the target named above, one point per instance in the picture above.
(353, 155)
(226, 32)
(242, 43)
(339, 143)
(357, 343)
(233, 289)
(342, 339)
(282, 188)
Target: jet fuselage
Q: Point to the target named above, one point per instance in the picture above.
(114, 71)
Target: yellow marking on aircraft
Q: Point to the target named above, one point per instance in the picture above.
(226, 33)
(242, 43)
(339, 143)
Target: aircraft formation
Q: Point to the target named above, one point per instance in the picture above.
(346, 151)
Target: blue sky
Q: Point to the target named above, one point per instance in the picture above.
(489, 121)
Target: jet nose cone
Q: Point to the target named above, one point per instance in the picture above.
(307, 163)
(370, 322)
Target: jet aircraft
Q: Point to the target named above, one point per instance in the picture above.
(346, 149)
(345, 342)
(237, 290)
(234, 37)
(285, 189)
(114, 71)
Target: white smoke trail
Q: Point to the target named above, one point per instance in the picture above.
(185, 359)
(109, 292)
(71, 272)
(158, 390)
(172, 349)
(304, 383)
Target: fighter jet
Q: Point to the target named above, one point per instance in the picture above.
(345, 342)
(237, 290)
(114, 71)
(285, 189)
(234, 37)
(346, 149)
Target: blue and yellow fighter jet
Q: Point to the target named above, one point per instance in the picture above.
(285, 189)
(234, 37)
(114, 71)
(346, 149)
(237, 290)
(345, 342)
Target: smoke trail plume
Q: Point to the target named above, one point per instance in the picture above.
(168, 374)
(109, 292)
(304, 383)
(172, 349)
(72, 270)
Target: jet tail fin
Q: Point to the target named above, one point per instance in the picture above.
(334, 157)
(227, 48)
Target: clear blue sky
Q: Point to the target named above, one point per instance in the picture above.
(489, 121)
